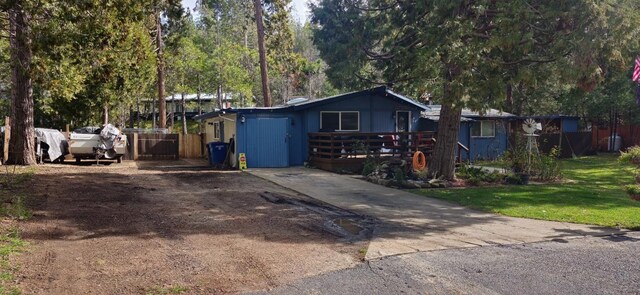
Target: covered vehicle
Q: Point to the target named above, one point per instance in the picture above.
(51, 145)
(105, 143)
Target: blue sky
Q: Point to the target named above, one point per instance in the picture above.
(299, 8)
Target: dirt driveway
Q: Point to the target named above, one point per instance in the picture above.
(158, 228)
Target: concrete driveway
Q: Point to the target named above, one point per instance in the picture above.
(411, 223)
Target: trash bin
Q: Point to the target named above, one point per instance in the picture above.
(217, 152)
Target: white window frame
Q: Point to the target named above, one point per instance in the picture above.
(495, 123)
(408, 123)
(216, 130)
(340, 119)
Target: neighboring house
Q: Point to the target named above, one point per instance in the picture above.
(208, 103)
(278, 136)
(486, 134)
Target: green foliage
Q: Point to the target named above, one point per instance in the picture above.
(548, 166)
(90, 54)
(543, 166)
(399, 175)
(369, 166)
(632, 155)
(476, 176)
(633, 189)
(422, 175)
(514, 179)
(167, 290)
(10, 244)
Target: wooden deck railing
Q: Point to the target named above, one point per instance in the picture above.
(347, 150)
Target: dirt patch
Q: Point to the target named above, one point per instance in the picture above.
(122, 229)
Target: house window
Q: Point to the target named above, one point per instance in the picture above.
(340, 121)
(403, 118)
(216, 130)
(483, 128)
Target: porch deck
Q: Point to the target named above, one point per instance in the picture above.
(347, 151)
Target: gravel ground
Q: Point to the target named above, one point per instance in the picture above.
(124, 229)
(594, 265)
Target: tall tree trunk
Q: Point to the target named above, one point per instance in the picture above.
(173, 113)
(263, 55)
(22, 150)
(219, 94)
(198, 97)
(162, 104)
(443, 163)
(105, 114)
(137, 112)
(444, 154)
(509, 99)
(153, 112)
(184, 116)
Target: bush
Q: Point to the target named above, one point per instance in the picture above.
(633, 189)
(398, 175)
(544, 167)
(476, 176)
(517, 157)
(422, 175)
(370, 165)
(548, 166)
(513, 178)
(632, 155)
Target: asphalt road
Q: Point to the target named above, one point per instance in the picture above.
(593, 265)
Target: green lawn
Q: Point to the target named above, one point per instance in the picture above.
(594, 195)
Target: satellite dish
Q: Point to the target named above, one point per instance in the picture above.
(530, 126)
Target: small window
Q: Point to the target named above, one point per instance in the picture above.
(216, 130)
(340, 121)
(483, 129)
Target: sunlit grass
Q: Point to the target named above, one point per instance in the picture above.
(593, 194)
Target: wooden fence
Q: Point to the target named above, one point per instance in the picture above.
(164, 146)
(630, 135)
(570, 143)
(191, 146)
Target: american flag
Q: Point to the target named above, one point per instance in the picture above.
(636, 71)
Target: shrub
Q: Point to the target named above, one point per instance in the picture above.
(517, 157)
(548, 166)
(513, 178)
(475, 176)
(632, 155)
(633, 190)
(422, 175)
(370, 165)
(398, 175)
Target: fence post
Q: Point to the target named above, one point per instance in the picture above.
(134, 146)
(7, 136)
(181, 146)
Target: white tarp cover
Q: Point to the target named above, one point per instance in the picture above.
(108, 136)
(55, 139)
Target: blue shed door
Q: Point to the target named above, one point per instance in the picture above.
(267, 142)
